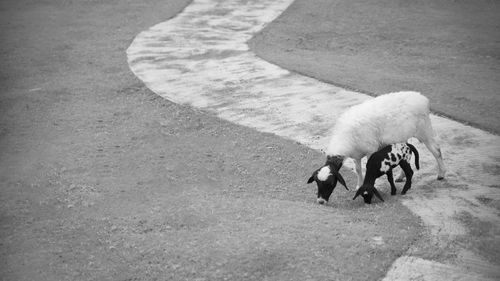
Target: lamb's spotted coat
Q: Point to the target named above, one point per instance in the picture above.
(382, 162)
(399, 151)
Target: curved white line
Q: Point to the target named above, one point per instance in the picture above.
(201, 58)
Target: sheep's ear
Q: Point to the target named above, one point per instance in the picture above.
(375, 191)
(339, 177)
(311, 179)
(360, 190)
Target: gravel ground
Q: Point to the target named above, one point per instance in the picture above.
(100, 179)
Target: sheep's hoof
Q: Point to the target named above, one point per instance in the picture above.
(393, 192)
(403, 192)
(440, 178)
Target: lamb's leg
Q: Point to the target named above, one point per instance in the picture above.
(409, 174)
(391, 181)
(357, 163)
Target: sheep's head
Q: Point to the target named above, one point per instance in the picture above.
(326, 178)
(367, 191)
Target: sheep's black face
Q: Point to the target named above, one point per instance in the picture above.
(326, 179)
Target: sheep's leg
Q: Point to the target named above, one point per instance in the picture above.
(409, 174)
(426, 135)
(357, 163)
(391, 181)
(436, 151)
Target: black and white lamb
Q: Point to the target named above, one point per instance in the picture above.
(382, 162)
(365, 128)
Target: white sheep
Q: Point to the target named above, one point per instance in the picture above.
(365, 128)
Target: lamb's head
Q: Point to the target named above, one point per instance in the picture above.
(367, 191)
(326, 178)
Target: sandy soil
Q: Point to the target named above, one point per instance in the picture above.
(447, 50)
(100, 179)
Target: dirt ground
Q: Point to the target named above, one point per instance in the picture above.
(100, 179)
(448, 50)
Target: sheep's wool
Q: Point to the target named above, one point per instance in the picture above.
(386, 119)
(324, 173)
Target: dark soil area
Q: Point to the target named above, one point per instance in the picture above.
(100, 179)
(448, 50)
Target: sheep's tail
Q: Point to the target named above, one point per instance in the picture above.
(415, 151)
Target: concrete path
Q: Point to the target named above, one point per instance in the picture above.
(201, 58)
